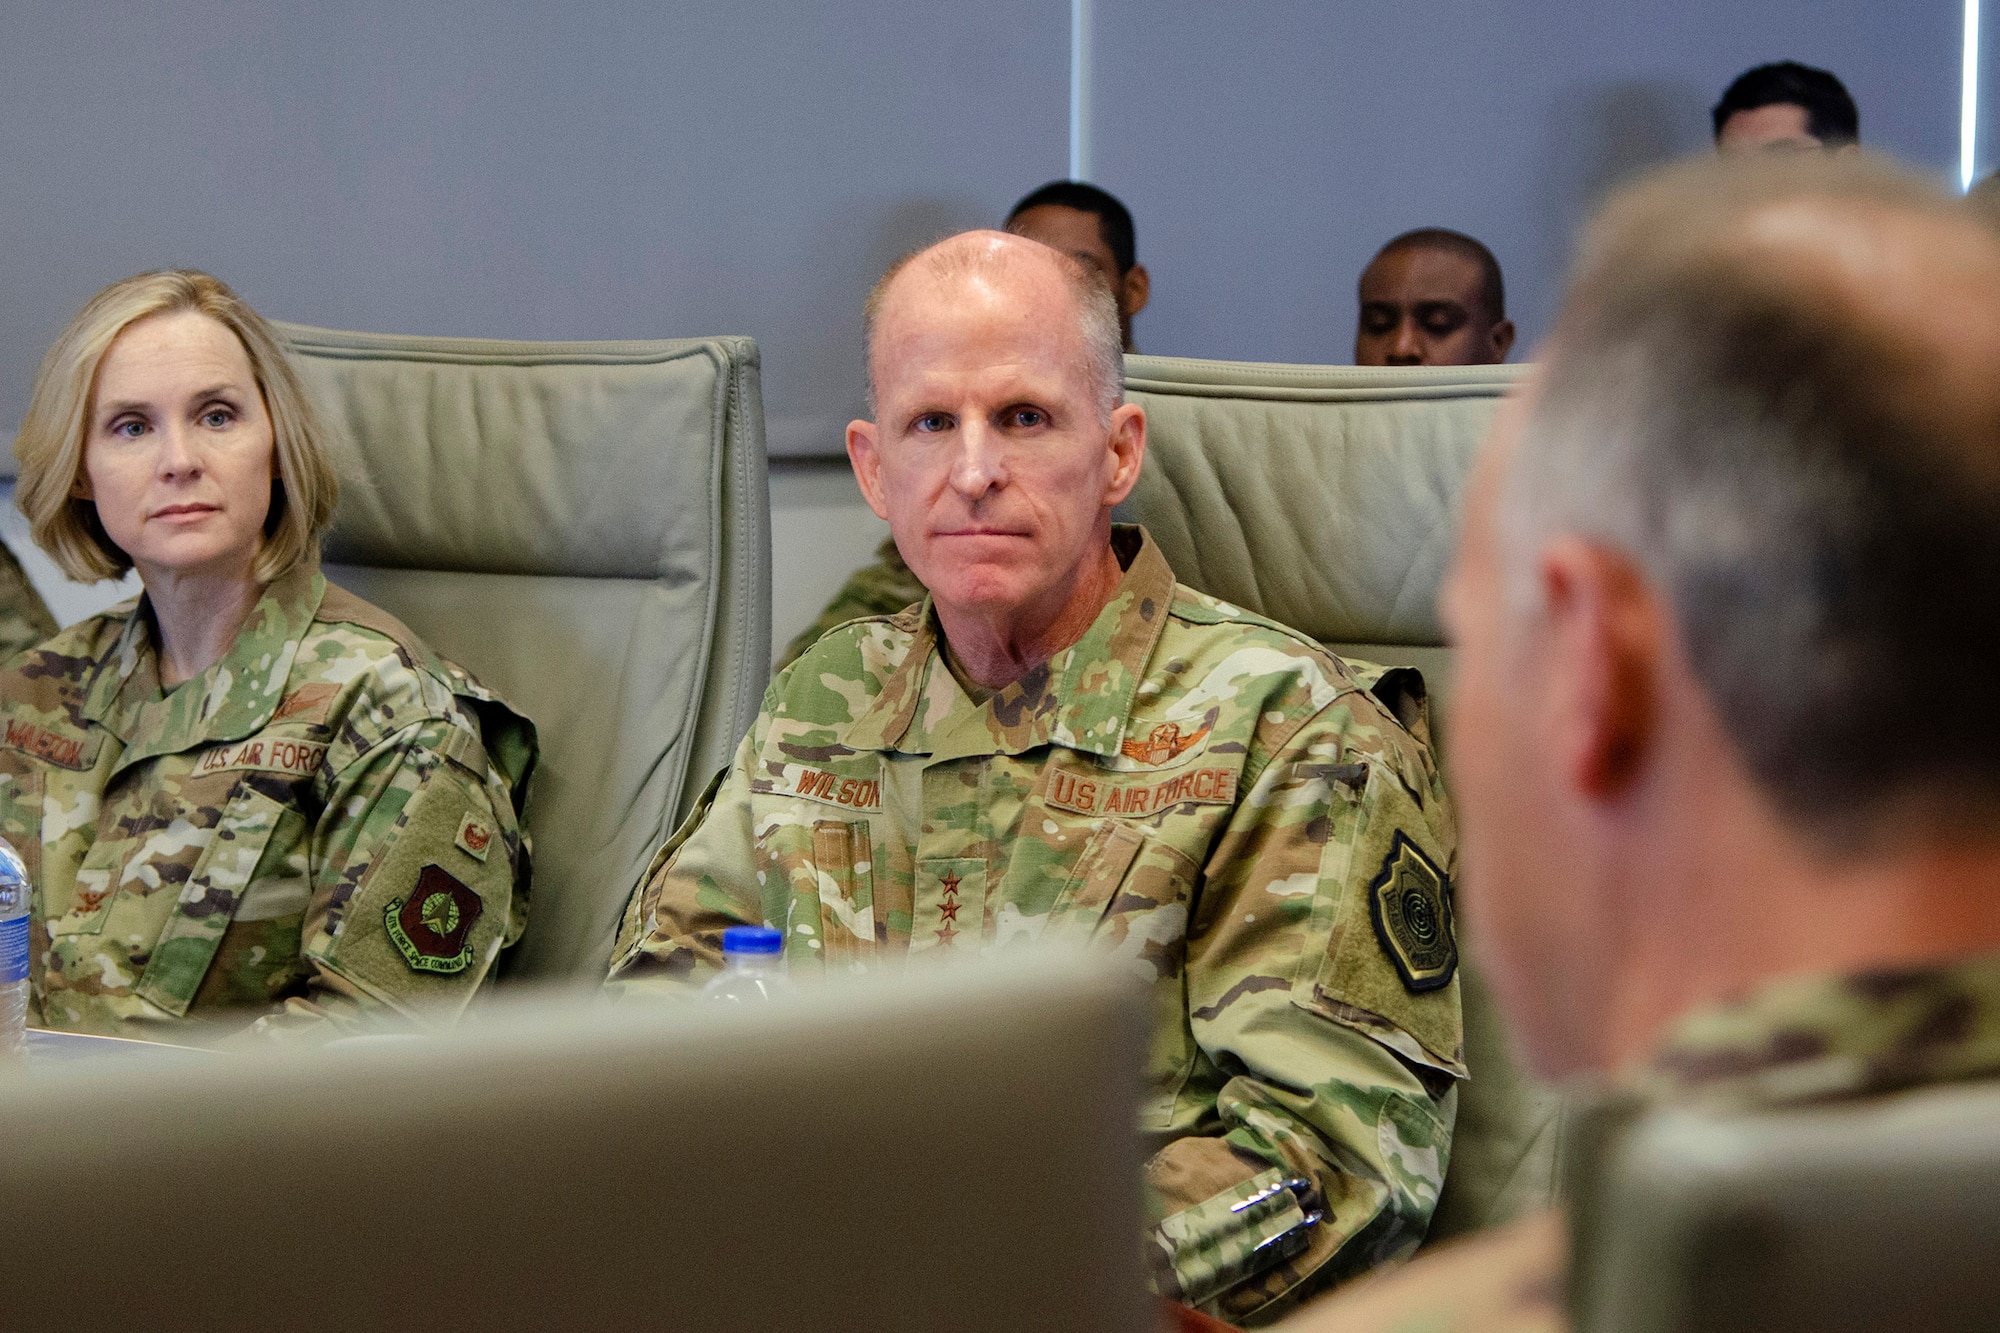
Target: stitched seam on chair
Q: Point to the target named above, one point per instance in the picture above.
(718, 448)
(343, 345)
(1309, 394)
(748, 693)
(1199, 372)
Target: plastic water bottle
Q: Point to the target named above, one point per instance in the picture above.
(753, 966)
(13, 953)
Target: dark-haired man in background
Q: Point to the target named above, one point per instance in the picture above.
(1786, 107)
(1090, 226)
(1433, 297)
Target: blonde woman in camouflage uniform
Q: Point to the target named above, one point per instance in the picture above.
(244, 797)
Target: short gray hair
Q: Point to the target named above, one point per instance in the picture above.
(956, 257)
(1819, 503)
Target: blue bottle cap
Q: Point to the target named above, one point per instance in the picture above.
(753, 939)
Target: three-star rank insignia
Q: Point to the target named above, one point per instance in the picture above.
(432, 928)
(948, 910)
(1411, 904)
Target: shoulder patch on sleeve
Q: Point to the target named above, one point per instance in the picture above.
(474, 837)
(1411, 908)
(432, 928)
(1387, 963)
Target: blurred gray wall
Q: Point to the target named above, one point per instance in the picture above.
(623, 170)
(1268, 147)
(588, 169)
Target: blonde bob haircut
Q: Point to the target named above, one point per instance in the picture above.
(50, 447)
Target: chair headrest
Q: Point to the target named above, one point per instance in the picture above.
(1325, 497)
(511, 457)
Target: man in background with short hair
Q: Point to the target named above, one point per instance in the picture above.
(1786, 107)
(1726, 728)
(1432, 297)
(1089, 225)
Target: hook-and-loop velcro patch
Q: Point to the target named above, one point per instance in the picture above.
(1411, 905)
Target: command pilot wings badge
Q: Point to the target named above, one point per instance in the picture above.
(1164, 743)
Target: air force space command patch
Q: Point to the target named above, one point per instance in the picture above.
(432, 928)
(1411, 904)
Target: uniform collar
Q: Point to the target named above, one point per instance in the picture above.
(1810, 1038)
(1082, 698)
(232, 699)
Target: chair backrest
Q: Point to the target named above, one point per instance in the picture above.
(1875, 1214)
(586, 528)
(1326, 497)
(728, 1168)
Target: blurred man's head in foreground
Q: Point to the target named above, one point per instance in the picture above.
(1432, 297)
(1092, 227)
(1727, 702)
(1785, 107)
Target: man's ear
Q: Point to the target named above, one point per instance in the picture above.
(1137, 289)
(867, 460)
(1127, 443)
(1605, 637)
(1503, 340)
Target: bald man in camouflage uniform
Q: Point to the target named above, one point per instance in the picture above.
(319, 831)
(1207, 796)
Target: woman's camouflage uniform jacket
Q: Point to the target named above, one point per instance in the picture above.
(327, 820)
(1207, 795)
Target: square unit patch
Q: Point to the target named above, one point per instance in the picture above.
(474, 837)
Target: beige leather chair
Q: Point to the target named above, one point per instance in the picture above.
(1326, 498)
(586, 528)
(1846, 1217)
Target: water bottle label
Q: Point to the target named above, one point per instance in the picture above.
(13, 950)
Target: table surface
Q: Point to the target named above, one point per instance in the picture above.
(46, 1048)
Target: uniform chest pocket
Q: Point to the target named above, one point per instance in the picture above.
(136, 854)
(96, 882)
(843, 881)
(224, 876)
(1128, 892)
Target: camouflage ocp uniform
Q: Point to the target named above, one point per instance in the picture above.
(880, 588)
(24, 618)
(1204, 794)
(1792, 1042)
(322, 824)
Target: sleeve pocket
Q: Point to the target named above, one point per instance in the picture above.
(1389, 967)
(427, 918)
